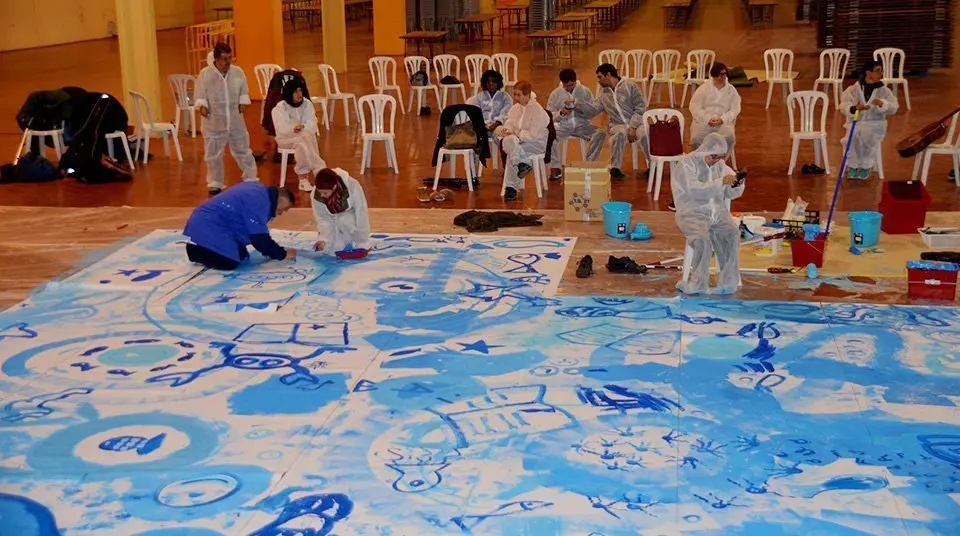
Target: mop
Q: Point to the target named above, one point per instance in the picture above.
(843, 171)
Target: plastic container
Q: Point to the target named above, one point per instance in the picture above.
(616, 218)
(864, 228)
(940, 241)
(904, 206)
(770, 248)
(805, 253)
(754, 223)
(927, 280)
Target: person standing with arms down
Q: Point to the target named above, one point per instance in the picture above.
(571, 122)
(622, 101)
(221, 96)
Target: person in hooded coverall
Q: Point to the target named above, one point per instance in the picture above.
(571, 122)
(295, 122)
(222, 227)
(221, 96)
(875, 102)
(340, 210)
(526, 132)
(623, 102)
(715, 107)
(493, 101)
(702, 185)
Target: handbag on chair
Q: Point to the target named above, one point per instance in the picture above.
(665, 138)
(461, 136)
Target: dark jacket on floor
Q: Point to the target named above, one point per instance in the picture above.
(449, 116)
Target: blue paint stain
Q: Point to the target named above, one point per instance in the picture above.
(273, 397)
(142, 445)
(418, 392)
(330, 508)
(20, 516)
(718, 348)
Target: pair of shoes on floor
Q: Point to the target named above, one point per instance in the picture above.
(213, 191)
(305, 185)
(812, 169)
(858, 173)
(556, 174)
(616, 174)
(671, 206)
(624, 265)
(510, 194)
(585, 267)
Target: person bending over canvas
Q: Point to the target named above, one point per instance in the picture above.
(702, 185)
(295, 121)
(222, 227)
(340, 209)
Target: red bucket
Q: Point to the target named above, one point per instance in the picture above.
(931, 284)
(805, 252)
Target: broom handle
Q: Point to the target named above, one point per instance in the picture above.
(843, 169)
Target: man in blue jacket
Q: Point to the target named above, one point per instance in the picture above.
(222, 227)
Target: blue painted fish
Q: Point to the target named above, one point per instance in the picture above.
(468, 523)
(141, 444)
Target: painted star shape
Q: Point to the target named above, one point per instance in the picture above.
(479, 346)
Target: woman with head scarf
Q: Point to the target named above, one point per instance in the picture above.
(703, 185)
(875, 102)
(492, 100)
(295, 121)
(340, 210)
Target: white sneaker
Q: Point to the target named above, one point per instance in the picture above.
(305, 185)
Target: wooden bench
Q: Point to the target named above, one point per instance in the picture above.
(580, 22)
(676, 13)
(760, 11)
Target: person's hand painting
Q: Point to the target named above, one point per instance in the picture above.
(319, 245)
(291, 254)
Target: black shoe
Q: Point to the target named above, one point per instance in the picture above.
(624, 265)
(510, 194)
(671, 206)
(816, 170)
(425, 110)
(556, 174)
(258, 156)
(616, 174)
(214, 191)
(950, 176)
(585, 267)
(646, 174)
(805, 169)
(523, 169)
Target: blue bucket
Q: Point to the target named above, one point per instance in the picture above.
(864, 228)
(616, 218)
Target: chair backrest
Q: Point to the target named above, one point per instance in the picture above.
(615, 57)
(778, 64)
(142, 108)
(264, 73)
(665, 62)
(414, 64)
(806, 102)
(377, 106)
(330, 83)
(506, 64)
(637, 64)
(833, 63)
(953, 135)
(892, 60)
(662, 114)
(476, 65)
(701, 60)
(383, 70)
(180, 84)
(446, 65)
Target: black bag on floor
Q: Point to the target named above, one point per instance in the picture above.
(86, 160)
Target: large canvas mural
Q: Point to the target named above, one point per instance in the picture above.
(441, 386)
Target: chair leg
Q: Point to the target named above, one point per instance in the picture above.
(769, 92)
(673, 103)
(794, 151)
(392, 149)
(193, 122)
(826, 156)
(656, 188)
(346, 111)
(463, 93)
(139, 138)
(363, 156)
(816, 153)
(166, 144)
(683, 97)
(917, 161)
(906, 94)
(436, 94)
(956, 168)
(176, 145)
(333, 110)
(146, 145)
(23, 143)
(538, 177)
(283, 169)
(110, 148)
(926, 166)
(880, 164)
(468, 164)
(126, 150)
(436, 175)
(56, 146)
(654, 165)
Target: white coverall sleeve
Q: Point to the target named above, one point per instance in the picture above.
(733, 110)
(592, 107)
(309, 117)
(556, 101)
(359, 200)
(538, 127)
(282, 121)
(890, 104)
(501, 117)
(848, 100)
(636, 106)
(200, 92)
(244, 89)
(700, 115)
(729, 192)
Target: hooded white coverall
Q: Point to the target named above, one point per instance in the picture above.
(303, 143)
(624, 106)
(575, 124)
(494, 107)
(704, 219)
(352, 226)
(708, 103)
(222, 96)
(525, 132)
(872, 126)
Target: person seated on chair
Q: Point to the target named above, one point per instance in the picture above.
(222, 227)
(340, 210)
(493, 101)
(624, 105)
(525, 133)
(572, 122)
(715, 107)
(295, 121)
(702, 184)
(875, 102)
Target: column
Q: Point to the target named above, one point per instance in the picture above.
(335, 34)
(199, 11)
(389, 23)
(259, 35)
(139, 67)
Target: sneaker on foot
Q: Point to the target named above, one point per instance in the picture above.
(556, 174)
(510, 194)
(214, 191)
(853, 173)
(305, 185)
(523, 169)
(616, 174)
(646, 174)
(671, 206)
(864, 173)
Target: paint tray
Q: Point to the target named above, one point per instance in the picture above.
(352, 253)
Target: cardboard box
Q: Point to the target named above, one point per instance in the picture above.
(586, 186)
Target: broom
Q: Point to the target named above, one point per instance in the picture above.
(843, 171)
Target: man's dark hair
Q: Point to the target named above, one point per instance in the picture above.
(285, 192)
(221, 48)
(568, 75)
(607, 68)
(717, 69)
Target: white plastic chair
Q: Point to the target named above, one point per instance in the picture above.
(637, 66)
(476, 65)
(448, 65)
(506, 64)
(413, 64)
(701, 61)
(376, 129)
(665, 62)
(833, 66)
(469, 159)
(28, 134)
(146, 126)
(807, 127)
(180, 84)
(321, 103)
(657, 162)
(383, 71)
(539, 175)
(332, 87)
(892, 60)
(285, 155)
(564, 148)
(122, 136)
(264, 72)
(778, 68)
(950, 146)
(615, 57)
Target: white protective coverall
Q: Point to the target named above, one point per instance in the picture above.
(704, 218)
(624, 106)
(222, 96)
(525, 132)
(304, 143)
(494, 107)
(872, 126)
(352, 226)
(708, 103)
(575, 124)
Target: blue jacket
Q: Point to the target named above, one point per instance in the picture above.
(235, 218)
